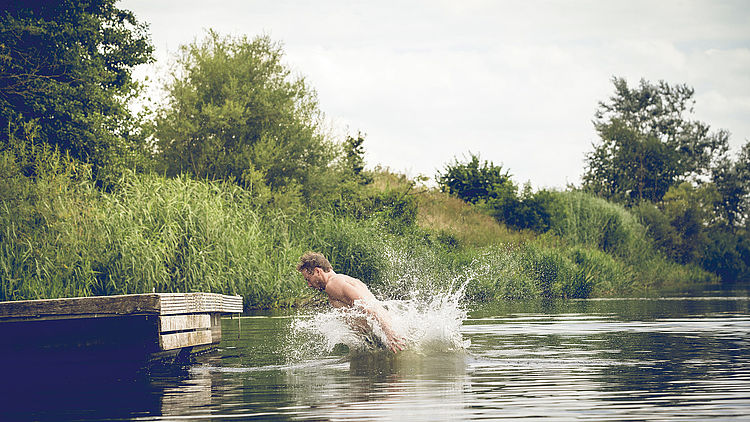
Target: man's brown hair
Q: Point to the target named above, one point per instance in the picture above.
(311, 260)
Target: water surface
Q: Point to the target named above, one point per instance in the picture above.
(617, 359)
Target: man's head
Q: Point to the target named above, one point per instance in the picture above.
(312, 265)
(312, 260)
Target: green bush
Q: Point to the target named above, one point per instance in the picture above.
(395, 207)
(532, 210)
(600, 273)
(593, 222)
(728, 255)
(548, 269)
(665, 236)
(475, 183)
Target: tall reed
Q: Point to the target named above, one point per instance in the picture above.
(596, 223)
(62, 237)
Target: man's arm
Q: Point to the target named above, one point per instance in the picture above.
(395, 343)
(348, 291)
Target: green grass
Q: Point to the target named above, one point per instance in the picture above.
(595, 223)
(469, 225)
(61, 237)
(151, 235)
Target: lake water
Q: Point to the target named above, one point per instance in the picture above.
(616, 359)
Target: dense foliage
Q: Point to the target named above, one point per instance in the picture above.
(648, 143)
(65, 79)
(235, 112)
(677, 176)
(731, 179)
(475, 183)
(64, 237)
(491, 188)
(673, 175)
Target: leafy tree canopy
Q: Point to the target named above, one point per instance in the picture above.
(65, 66)
(648, 142)
(354, 158)
(491, 187)
(234, 111)
(732, 180)
(477, 182)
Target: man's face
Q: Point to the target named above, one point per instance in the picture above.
(314, 278)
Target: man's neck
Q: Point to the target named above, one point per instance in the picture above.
(327, 277)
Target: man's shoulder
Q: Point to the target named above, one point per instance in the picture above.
(344, 285)
(337, 282)
(343, 278)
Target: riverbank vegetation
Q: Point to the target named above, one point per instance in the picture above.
(222, 186)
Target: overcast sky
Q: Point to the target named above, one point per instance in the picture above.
(515, 81)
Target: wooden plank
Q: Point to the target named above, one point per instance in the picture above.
(185, 339)
(182, 303)
(232, 304)
(186, 303)
(184, 322)
(152, 303)
(216, 327)
(94, 306)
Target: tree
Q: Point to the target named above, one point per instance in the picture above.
(235, 112)
(533, 210)
(690, 211)
(679, 224)
(65, 66)
(649, 143)
(732, 180)
(354, 159)
(475, 183)
(728, 255)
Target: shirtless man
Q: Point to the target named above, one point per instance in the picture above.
(343, 290)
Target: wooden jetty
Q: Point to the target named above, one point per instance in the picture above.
(129, 330)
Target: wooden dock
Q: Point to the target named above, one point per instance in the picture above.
(112, 330)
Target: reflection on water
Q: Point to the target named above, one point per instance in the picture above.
(381, 386)
(563, 360)
(617, 360)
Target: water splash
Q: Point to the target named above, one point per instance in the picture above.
(428, 323)
(433, 323)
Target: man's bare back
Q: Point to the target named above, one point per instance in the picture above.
(344, 290)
